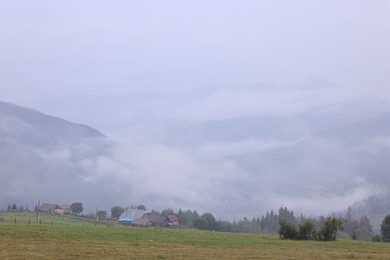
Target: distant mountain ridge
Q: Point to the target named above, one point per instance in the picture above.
(49, 158)
(378, 126)
(19, 122)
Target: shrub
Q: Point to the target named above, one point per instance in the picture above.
(287, 230)
(330, 229)
(306, 231)
(376, 238)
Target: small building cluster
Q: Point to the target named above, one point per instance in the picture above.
(140, 218)
(62, 209)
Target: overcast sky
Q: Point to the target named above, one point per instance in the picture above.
(99, 48)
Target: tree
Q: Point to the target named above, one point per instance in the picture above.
(116, 211)
(350, 224)
(330, 229)
(306, 231)
(286, 214)
(101, 214)
(141, 207)
(287, 230)
(385, 229)
(76, 208)
(14, 208)
(225, 226)
(154, 212)
(212, 224)
(200, 223)
(376, 238)
(364, 229)
(270, 222)
(187, 217)
(167, 212)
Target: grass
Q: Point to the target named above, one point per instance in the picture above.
(85, 240)
(31, 218)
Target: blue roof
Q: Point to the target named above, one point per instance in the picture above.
(126, 219)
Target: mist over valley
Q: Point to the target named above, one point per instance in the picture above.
(299, 149)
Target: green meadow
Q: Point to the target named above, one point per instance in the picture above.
(59, 237)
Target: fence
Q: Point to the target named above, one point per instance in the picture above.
(49, 219)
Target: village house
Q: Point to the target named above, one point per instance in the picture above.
(55, 208)
(141, 222)
(47, 207)
(140, 218)
(157, 220)
(173, 221)
(63, 209)
(129, 215)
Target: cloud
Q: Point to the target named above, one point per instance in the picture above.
(228, 103)
(161, 177)
(219, 150)
(327, 203)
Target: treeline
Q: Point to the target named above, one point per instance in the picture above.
(14, 207)
(354, 228)
(319, 228)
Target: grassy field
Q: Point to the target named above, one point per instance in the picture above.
(68, 238)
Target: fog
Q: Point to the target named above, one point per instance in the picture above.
(229, 107)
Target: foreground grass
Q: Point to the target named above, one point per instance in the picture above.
(34, 241)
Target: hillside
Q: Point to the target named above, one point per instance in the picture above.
(33, 127)
(48, 158)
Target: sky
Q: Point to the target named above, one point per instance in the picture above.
(170, 79)
(52, 49)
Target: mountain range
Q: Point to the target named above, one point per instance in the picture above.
(231, 151)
